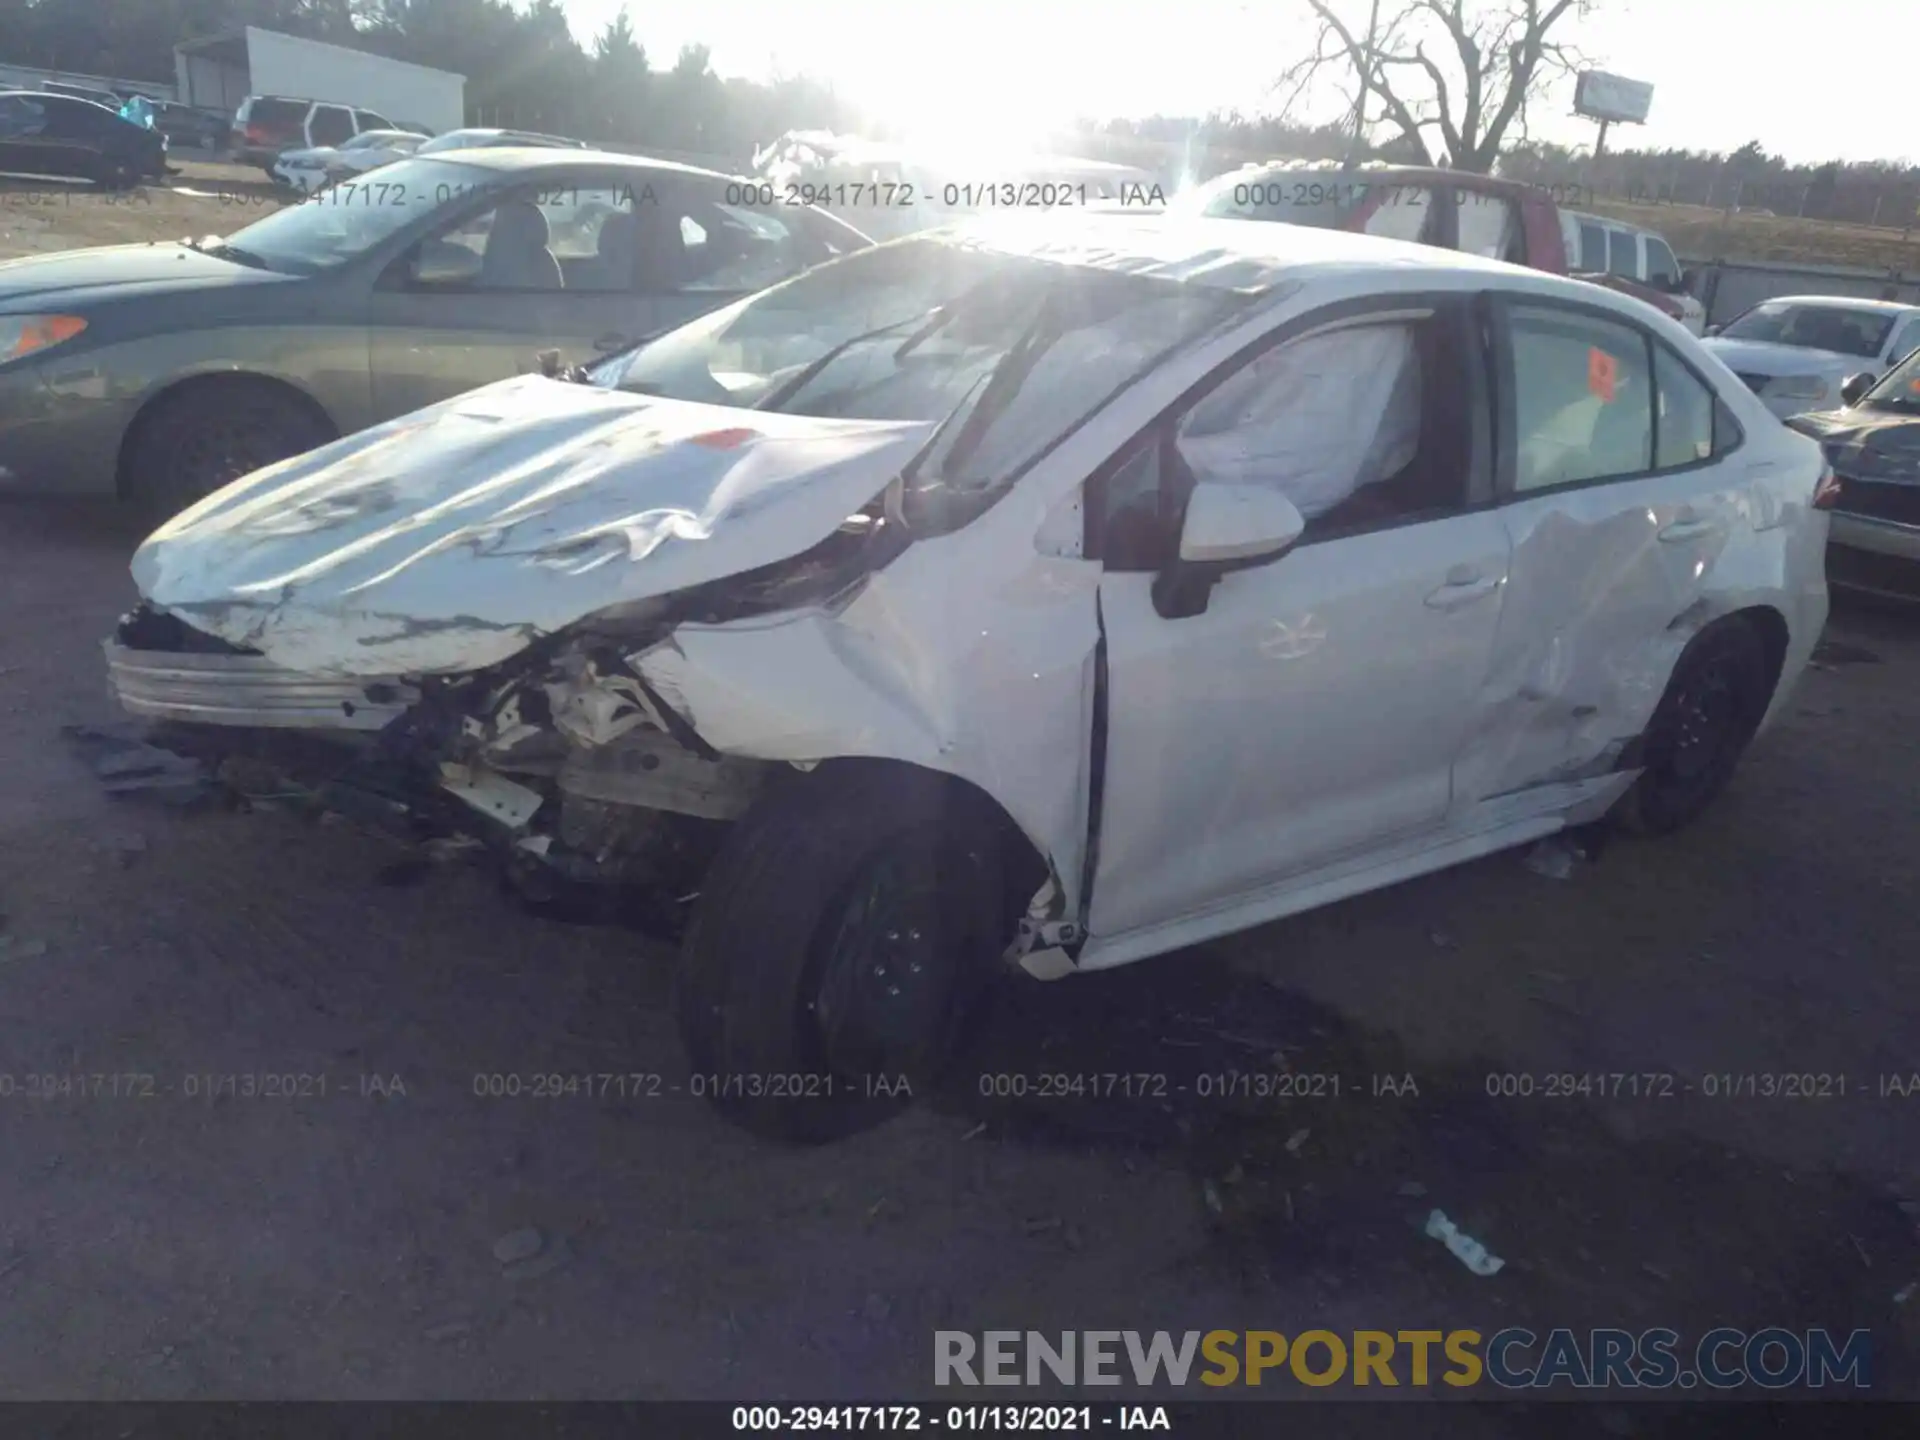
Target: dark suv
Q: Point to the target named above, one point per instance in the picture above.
(43, 134)
(265, 125)
(186, 125)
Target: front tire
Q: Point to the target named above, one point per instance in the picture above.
(210, 433)
(1713, 704)
(842, 938)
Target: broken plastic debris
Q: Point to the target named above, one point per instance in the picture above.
(1467, 1250)
(1553, 858)
(124, 761)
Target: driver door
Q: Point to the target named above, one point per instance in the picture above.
(549, 265)
(1315, 706)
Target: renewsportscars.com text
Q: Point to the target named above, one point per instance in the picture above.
(1774, 1358)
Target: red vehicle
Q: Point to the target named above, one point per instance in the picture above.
(1454, 209)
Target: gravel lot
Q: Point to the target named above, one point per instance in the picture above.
(205, 198)
(347, 1246)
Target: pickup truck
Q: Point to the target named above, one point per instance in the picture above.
(1484, 215)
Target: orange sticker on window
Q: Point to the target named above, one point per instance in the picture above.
(1602, 371)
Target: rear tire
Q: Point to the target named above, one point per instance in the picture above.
(110, 173)
(208, 434)
(1713, 704)
(844, 934)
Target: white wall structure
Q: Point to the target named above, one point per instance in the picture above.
(221, 71)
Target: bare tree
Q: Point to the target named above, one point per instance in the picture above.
(1463, 70)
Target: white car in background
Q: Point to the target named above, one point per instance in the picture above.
(1797, 352)
(1054, 591)
(311, 170)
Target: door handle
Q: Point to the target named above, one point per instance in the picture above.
(1683, 530)
(606, 344)
(1464, 585)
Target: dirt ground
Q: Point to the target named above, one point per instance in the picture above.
(208, 198)
(171, 1246)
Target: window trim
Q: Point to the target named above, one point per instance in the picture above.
(1582, 230)
(1507, 472)
(1481, 487)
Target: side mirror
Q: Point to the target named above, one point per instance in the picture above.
(1711, 330)
(1237, 522)
(1227, 527)
(1855, 388)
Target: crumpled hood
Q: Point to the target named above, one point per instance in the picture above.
(446, 540)
(1763, 357)
(1869, 444)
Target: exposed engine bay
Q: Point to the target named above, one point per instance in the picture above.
(563, 761)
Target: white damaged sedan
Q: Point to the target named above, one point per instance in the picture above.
(1056, 591)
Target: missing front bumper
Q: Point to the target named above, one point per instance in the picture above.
(249, 691)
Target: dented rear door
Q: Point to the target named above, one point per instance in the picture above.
(1616, 529)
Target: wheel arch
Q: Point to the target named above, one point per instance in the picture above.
(1771, 626)
(195, 383)
(1765, 621)
(1026, 865)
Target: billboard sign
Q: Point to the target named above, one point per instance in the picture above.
(1600, 96)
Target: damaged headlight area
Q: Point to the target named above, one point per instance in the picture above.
(563, 761)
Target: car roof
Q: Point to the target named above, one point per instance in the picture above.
(1251, 256)
(1843, 302)
(548, 157)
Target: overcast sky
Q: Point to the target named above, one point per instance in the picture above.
(1723, 73)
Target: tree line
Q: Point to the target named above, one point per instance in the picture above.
(525, 69)
(1862, 192)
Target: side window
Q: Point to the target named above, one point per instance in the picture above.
(1134, 529)
(1268, 423)
(1582, 399)
(330, 125)
(508, 246)
(591, 230)
(573, 237)
(1905, 342)
(1401, 212)
(21, 118)
(690, 242)
(1662, 269)
(76, 119)
(1593, 248)
(1623, 253)
(1487, 225)
(1683, 411)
